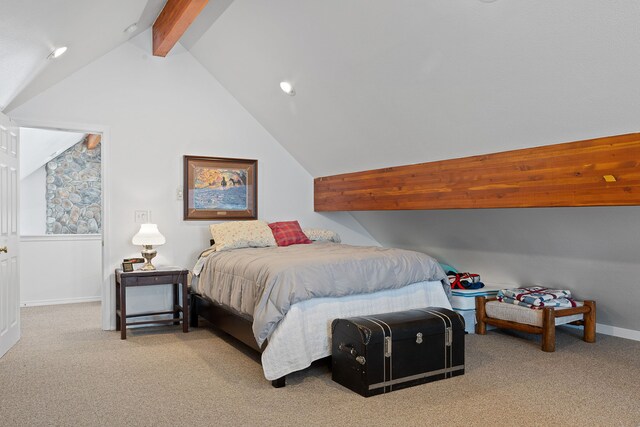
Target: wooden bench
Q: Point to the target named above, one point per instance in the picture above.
(542, 322)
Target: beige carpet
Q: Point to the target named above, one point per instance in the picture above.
(66, 371)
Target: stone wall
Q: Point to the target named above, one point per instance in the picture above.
(74, 192)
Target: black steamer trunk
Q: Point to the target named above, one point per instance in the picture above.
(380, 353)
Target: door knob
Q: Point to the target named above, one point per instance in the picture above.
(4, 249)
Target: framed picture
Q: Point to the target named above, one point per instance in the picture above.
(217, 188)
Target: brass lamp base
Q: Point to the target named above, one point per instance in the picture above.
(148, 253)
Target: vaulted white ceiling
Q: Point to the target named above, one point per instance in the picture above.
(38, 146)
(383, 83)
(378, 82)
(31, 29)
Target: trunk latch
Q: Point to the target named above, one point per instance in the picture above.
(419, 338)
(387, 347)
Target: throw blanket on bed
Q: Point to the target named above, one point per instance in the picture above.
(537, 297)
(264, 282)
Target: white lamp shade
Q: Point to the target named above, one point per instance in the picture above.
(148, 235)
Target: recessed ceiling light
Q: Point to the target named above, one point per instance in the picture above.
(131, 28)
(287, 88)
(57, 52)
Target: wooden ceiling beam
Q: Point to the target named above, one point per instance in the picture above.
(173, 21)
(595, 172)
(93, 139)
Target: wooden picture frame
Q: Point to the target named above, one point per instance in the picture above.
(218, 188)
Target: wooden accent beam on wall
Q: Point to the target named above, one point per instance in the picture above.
(93, 139)
(595, 172)
(173, 21)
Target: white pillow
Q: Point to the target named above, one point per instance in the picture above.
(242, 234)
(319, 234)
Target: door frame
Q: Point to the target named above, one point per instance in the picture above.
(107, 290)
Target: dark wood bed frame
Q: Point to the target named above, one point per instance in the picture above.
(227, 321)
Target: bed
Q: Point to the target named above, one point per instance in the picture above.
(281, 300)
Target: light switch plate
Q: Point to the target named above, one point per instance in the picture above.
(141, 217)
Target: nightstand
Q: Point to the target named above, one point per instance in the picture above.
(161, 276)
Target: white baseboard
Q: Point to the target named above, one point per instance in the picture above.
(618, 332)
(59, 301)
(614, 331)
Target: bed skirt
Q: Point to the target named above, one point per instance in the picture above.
(304, 335)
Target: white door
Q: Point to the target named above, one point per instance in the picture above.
(9, 279)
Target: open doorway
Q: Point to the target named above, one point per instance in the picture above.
(61, 216)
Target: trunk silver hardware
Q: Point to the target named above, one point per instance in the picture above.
(352, 351)
(448, 336)
(419, 338)
(387, 347)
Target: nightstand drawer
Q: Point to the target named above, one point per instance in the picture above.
(150, 280)
(145, 279)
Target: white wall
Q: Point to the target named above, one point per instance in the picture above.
(592, 251)
(157, 110)
(394, 83)
(33, 205)
(60, 269)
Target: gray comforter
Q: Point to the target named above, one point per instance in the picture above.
(262, 283)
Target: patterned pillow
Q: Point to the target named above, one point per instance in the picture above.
(322, 235)
(241, 234)
(288, 233)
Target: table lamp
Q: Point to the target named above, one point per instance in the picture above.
(147, 237)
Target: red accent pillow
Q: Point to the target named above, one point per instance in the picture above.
(288, 233)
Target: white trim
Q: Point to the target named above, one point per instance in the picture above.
(59, 301)
(108, 291)
(613, 331)
(60, 237)
(618, 332)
